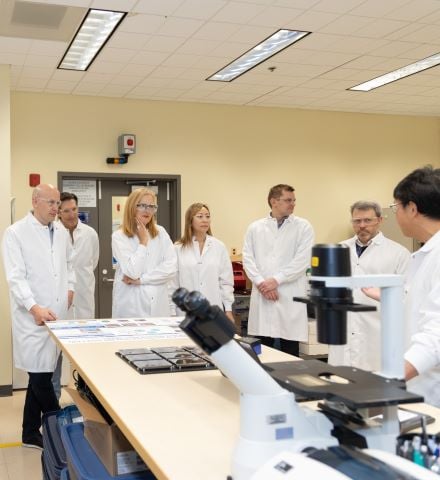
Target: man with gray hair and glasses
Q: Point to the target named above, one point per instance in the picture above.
(37, 256)
(370, 253)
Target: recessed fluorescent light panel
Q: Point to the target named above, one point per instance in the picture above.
(411, 69)
(261, 52)
(93, 33)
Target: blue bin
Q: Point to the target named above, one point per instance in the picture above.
(64, 474)
(54, 456)
(83, 462)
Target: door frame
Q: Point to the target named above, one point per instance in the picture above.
(174, 179)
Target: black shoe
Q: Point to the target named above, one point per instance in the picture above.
(34, 442)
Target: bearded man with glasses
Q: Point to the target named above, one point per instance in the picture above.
(371, 253)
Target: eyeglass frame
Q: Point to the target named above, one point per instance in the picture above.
(146, 207)
(51, 203)
(394, 206)
(367, 221)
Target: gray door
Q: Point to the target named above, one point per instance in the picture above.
(112, 191)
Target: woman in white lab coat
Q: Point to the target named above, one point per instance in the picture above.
(146, 260)
(203, 261)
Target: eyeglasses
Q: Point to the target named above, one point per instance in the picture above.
(145, 207)
(69, 210)
(367, 221)
(288, 200)
(394, 206)
(51, 203)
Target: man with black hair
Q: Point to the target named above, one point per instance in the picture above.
(417, 208)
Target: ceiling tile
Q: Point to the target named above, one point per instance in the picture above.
(149, 58)
(196, 47)
(116, 5)
(413, 11)
(128, 40)
(122, 55)
(275, 17)
(162, 43)
(36, 72)
(61, 85)
(122, 79)
(137, 69)
(180, 60)
(165, 50)
(337, 6)
(41, 61)
(138, 23)
(216, 31)
(179, 27)
(86, 88)
(311, 21)
(346, 25)
(106, 67)
(157, 7)
(238, 12)
(378, 8)
(12, 58)
(14, 45)
(199, 9)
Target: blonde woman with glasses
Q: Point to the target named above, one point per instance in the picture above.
(203, 261)
(146, 260)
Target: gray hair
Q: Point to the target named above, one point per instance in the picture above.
(366, 205)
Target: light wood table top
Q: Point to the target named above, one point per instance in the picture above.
(184, 425)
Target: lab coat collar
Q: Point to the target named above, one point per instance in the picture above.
(208, 240)
(33, 220)
(377, 240)
(290, 218)
(432, 243)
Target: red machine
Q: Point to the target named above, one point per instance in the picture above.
(239, 277)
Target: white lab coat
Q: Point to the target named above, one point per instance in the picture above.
(86, 247)
(37, 273)
(422, 311)
(363, 349)
(209, 272)
(283, 253)
(155, 265)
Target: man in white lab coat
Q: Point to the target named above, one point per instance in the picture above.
(37, 257)
(371, 253)
(276, 255)
(417, 209)
(85, 244)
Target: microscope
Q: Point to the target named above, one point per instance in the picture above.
(280, 437)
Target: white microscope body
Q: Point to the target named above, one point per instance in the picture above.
(273, 426)
(270, 419)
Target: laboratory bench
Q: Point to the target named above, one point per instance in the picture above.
(184, 425)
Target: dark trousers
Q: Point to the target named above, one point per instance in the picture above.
(287, 346)
(40, 398)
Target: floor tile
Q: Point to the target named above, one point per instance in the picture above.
(4, 473)
(26, 464)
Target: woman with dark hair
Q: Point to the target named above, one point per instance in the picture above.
(146, 260)
(203, 261)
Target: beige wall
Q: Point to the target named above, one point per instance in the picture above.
(5, 217)
(228, 156)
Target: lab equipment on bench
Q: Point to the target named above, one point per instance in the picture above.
(331, 287)
(271, 421)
